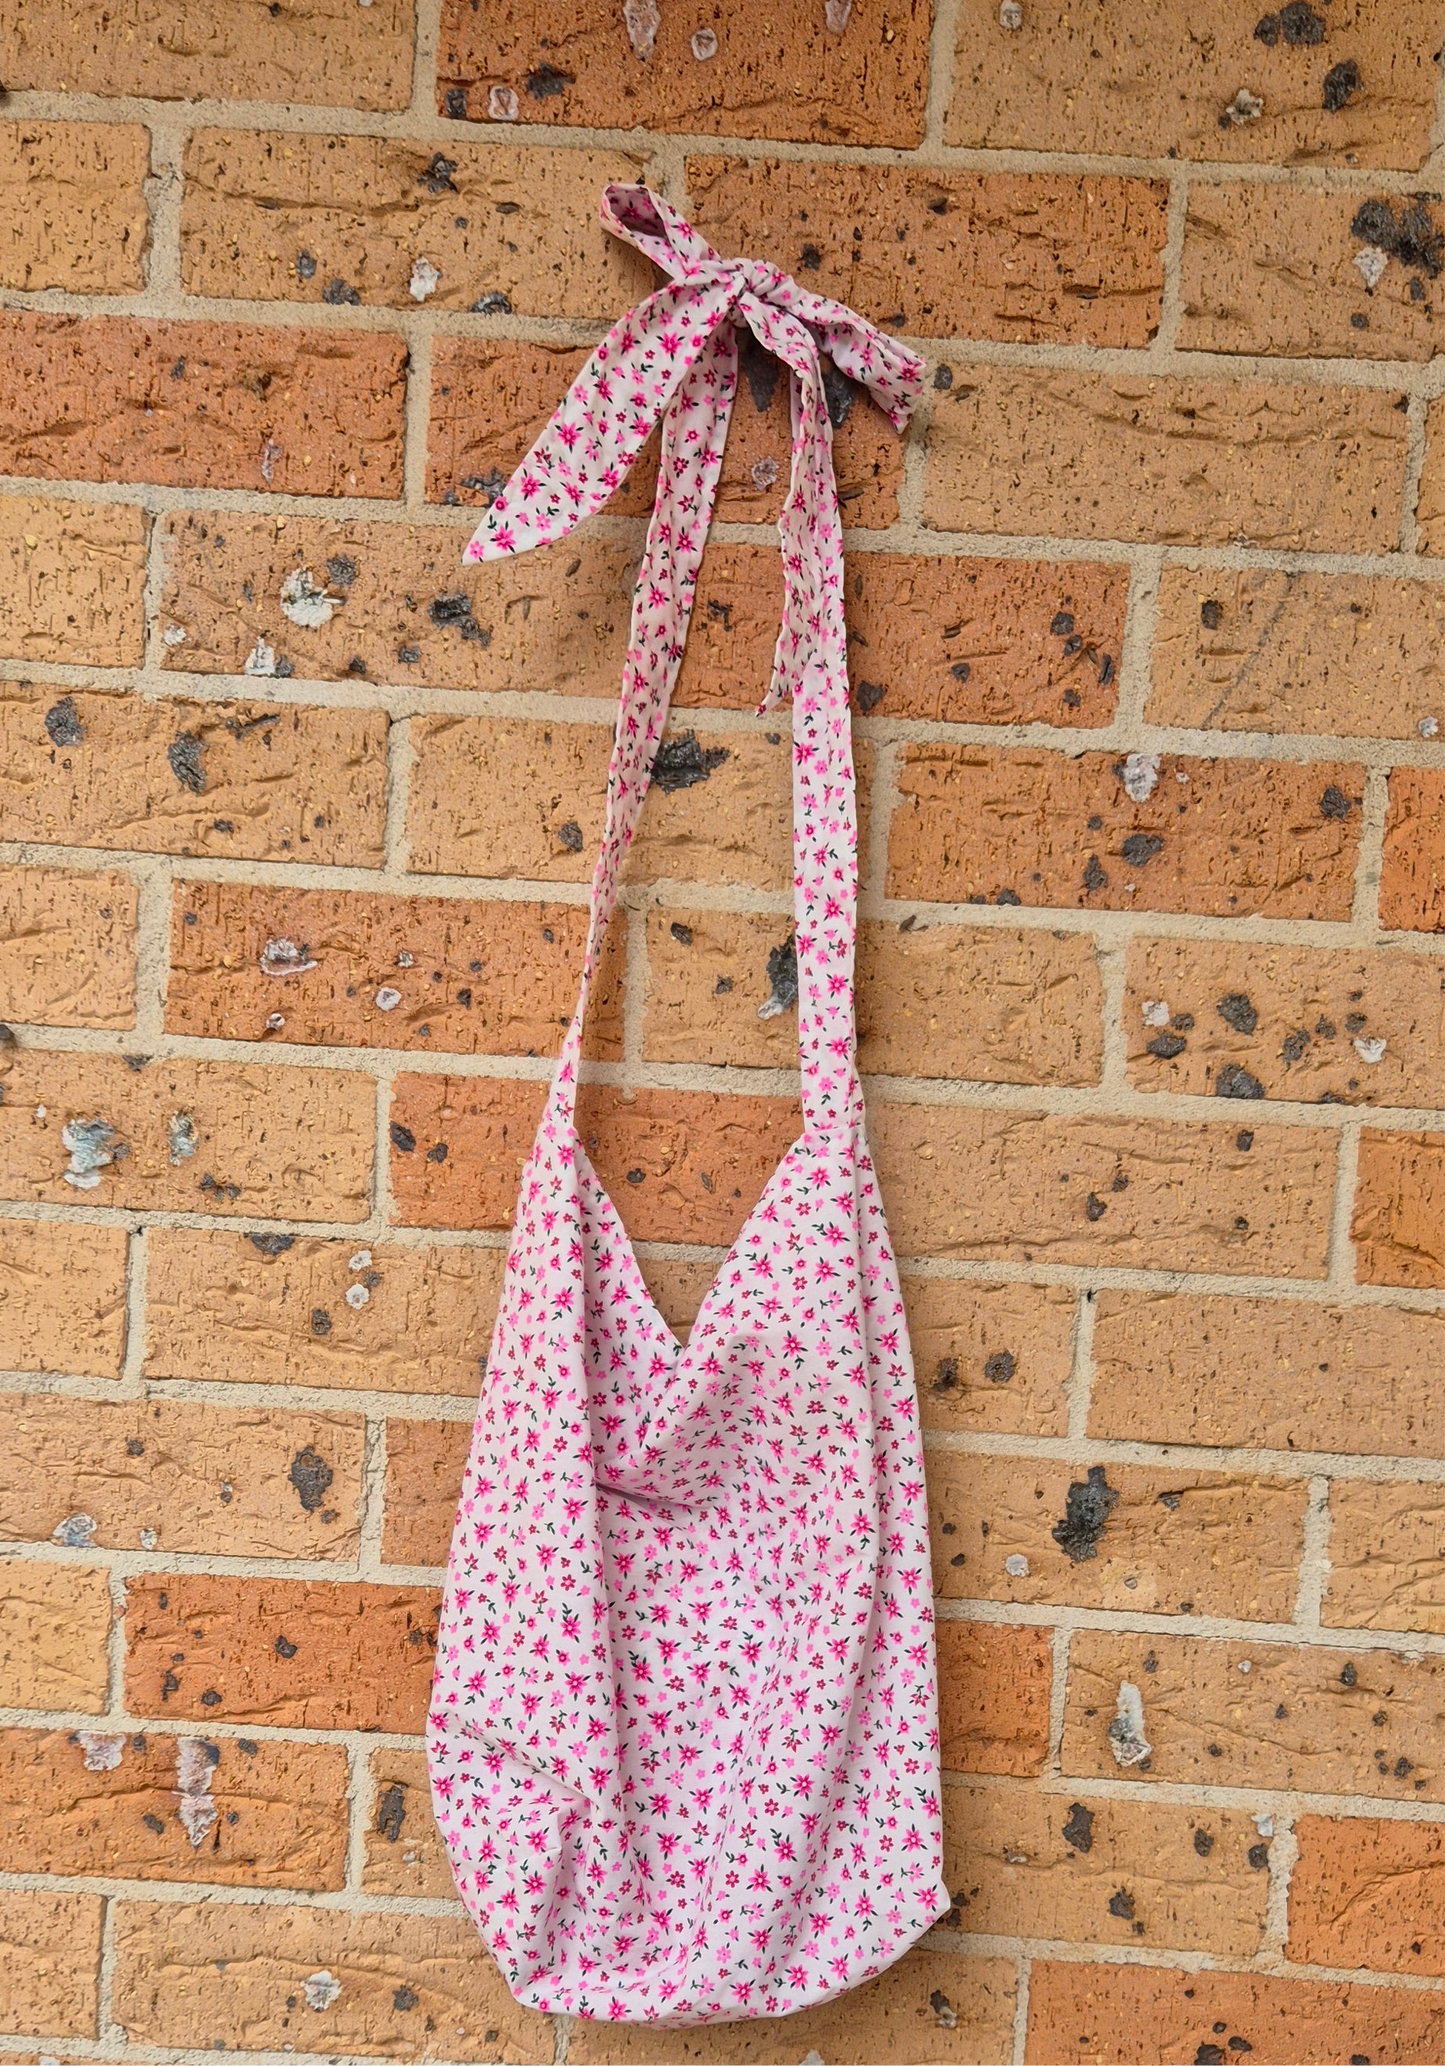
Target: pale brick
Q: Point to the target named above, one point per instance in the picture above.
(932, 2008)
(471, 976)
(1366, 1893)
(1166, 459)
(1171, 1541)
(1270, 270)
(403, 1849)
(138, 1806)
(199, 1136)
(1122, 2015)
(967, 1181)
(678, 1288)
(1139, 1877)
(1430, 497)
(1028, 258)
(784, 74)
(244, 781)
(1301, 1716)
(424, 1462)
(67, 947)
(1285, 1022)
(287, 1653)
(200, 1972)
(1231, 838)
(1387, 1543)
(363, 209)
(75, 211)
(993, 1697)
(51, 1947)
(273, 1309)
(62, 1297)
(205, 405)
(992, 1358)
(1152, 83)
(54, 1626)
(1398, 1226)
(1412, 877)
(319, 51)
(1250, 649)
(74, 582)
(179, 1477)
(1267, 1373)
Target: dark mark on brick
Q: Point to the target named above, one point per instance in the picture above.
(311, 1475)
(682, 761)
(1234, 1082)
(187, 756)
(1079, 1829)
(402, 1138)
(1237, 1010)
(391, 1813)
(62, 721)
(1087, 1507)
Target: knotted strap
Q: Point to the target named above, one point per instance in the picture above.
(675, 359)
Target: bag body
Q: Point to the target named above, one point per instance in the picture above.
(683, 1735)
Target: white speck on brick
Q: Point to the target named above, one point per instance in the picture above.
(502, 105)
(836, 13)
(195, 1763)
(1245, 1665)
(270, 453)
(404, 959)
(181, 1137)
(261, 659)
(387, 999)
(1010, 15)
(1264, 1824)
(425, 279)
(764, 472)
(1126, 1732)
(1370, 263)
(361, 1260)
(1141, 775)
(148, 1538)
(643, 22)
(76, 1531)
(1371, 1049)
(1017, 1566)
(283, 957)
(174, 635)
(102, 1753)
(1245, 107)
(305, 601)
(320, 1990)
(704, 45)
(1153, 1012)
(357, 1296)
(275, 1021)
(89, 1142)
(1428, 727)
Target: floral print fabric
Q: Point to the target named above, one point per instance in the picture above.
(683, 1735)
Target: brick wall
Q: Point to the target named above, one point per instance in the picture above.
(1147, 627)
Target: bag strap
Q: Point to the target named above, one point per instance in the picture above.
(675, 358)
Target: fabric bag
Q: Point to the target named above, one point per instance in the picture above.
(683, 1737)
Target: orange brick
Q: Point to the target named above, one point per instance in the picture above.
(509, 797)
(1026, 1864)
(1399, 1221)
(181, 1477)
(62, 1297)
(1130, 2015)
(491, 401)
(173, 1807)
(204, 405)
(1165, 459)
(967, 1181)
(432, 973)
(403, 1850)
(1271, 270)
(231, 49)
(1260, 650)
(287, 1653)
(54, 1624)
(1231, 838)
(1267, 1373)
(932, 2008)
(67, 947)
(285, 217)
(198, 1136)
(247, 781)
(74, 584)
(1268, 1715)
(1385, 1557)
(1412, 879)
(186, 1970)
(424, 1463)
(1153, 1548)
(1430, 498)
(51, 1947)
(274, 1309)
(1029, 258)
(680, 1166)
(993, 1697)
(1153, 85)
(75, 214)
(550, 621)
(789, 75)
(1250, 1021)
(991, 1357)
(1366, 1893)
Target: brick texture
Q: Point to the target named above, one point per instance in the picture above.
(298, 814)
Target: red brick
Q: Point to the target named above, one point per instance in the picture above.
(75, 210)
(141, 1806)
(1368, 1894)
(67, 947)
(74, 584)
(424, 1463)
(246, 781)
(354, 1656)
(784, 74)
(51, 1947)
(993, 1697)
(508, 971)
(1398, 1226)
(1230, 838)
(203, 405)
(1131, 2015)
(1028, 258)
(1412, 878)
(62, 1297)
